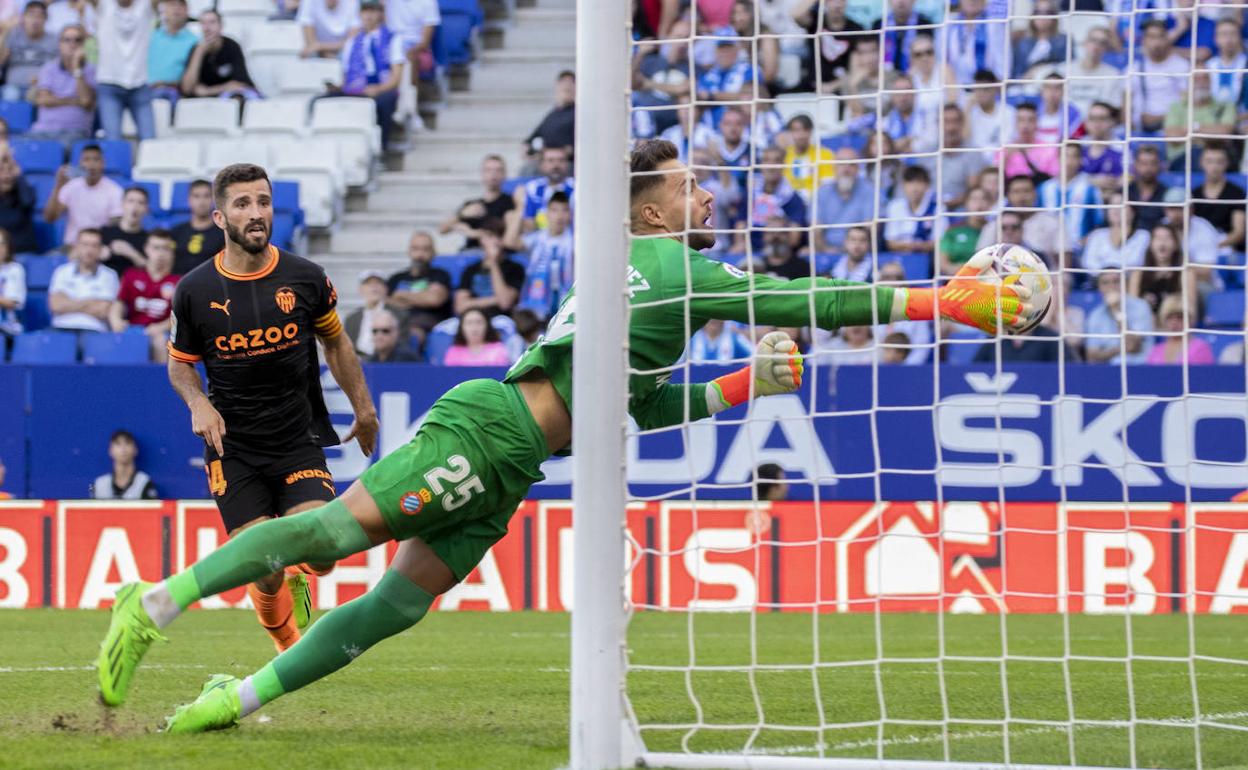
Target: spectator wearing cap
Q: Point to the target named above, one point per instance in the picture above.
(125, 481)
(170, 48)
(415, 21)
(1146, 193)
(372, 65)
(807, 164)
(849, 199)
(217, 66)
(65, 91)
(327, 26)
(557, 130)
(359, 323)
(86, 197)
(975, 42)
(124, 36)
(24, 49)
(1089, 79)
(423, 291)
(1160, 79)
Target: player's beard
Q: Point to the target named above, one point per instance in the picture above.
(241, 237)
(700, 241)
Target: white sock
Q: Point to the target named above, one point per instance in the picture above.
(247, 697)
(160, 606)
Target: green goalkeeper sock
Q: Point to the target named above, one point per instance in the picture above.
(338, 638)
(322, 535)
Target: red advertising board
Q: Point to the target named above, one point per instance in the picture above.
(798, 556)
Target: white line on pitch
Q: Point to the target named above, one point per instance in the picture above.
(56, 669)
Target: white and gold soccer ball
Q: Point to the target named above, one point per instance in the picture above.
(1013, 264)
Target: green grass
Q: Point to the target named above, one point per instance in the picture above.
(476, 690)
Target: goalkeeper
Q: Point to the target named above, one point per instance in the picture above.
(450, 492)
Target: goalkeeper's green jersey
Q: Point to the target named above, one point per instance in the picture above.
(673, 291)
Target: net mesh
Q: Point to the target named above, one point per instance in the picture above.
(947, 547)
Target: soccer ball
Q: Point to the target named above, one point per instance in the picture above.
(1014, 264)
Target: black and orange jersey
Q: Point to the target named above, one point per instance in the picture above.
(255, 334)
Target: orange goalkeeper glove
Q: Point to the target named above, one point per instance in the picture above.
(777, 369)
(970, 301)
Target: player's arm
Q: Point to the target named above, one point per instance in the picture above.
(344, 365)
(206, 421)
(117, 316)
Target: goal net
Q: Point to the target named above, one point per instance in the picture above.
(946, 550)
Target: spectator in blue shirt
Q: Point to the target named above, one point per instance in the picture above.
(904, 124)
(729, 80)
(716, 342)
(549, 276)
(1072, 193)
(774, 196)
(169, 50)
(372, 65)
(900, 25)
(847, 200)
(1179, 23)
(1121, 324)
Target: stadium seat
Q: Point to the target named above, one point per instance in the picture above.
(1225, 309)
(1087, 300)
(259, 10)
(1233, 274)
(455, 264)
(284, 228)
(45, 347)
(222, 152)
(49, 235)
(283, 38)
(36, 314)
(162, 114)
(280, 118)
(207, 118)
(129, 347)
(38, 155)
(436, 345)
(165, 161)
(508, 187)
(314, 164)
(118, 157)
(158, 209)
(44, 184)
(307, 76)
(351, 122)
(917, 266)
(460, 21)
(39, 268)
(18, 115)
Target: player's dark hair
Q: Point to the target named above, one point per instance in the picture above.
(527, 322)
(122, 433)
(140, 190)
(236, 173)
(647, 157)
(161, 233)
(491, 334)
(768, 476)
(916, 174)
(559, 196)
(802, 120)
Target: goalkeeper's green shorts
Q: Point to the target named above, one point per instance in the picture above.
(458, 482)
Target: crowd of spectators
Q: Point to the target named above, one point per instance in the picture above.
(1105, 138)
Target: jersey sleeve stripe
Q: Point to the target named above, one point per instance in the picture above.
(328, 325)
(178, 355)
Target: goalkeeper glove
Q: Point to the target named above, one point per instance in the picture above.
(970, 301)
(777, 369)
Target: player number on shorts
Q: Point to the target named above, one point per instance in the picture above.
(216, 478)
(458, 471)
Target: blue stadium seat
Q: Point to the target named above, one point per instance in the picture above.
(962, 350)
(1225, 309)
(283, 229)
(521, 258)
(823, 262)
(1220, 342)
(36, 314)
(455, 264)
(130, 347)
(39, 268)
(178, 205)
(286, 199)
(508, 187)
(153, 196)
(1233, 276)
(1088, 300)
(49, 236)
(43, 184)
(46, 347)
(917, 266)
(118, 157)
(436, 345)
(38, 155)
(19, 116)
(453, 39)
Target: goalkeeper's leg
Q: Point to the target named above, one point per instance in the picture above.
(398, 602)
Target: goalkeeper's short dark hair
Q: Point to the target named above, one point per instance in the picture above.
(647, 157)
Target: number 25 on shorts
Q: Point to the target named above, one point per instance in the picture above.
(216, 478)
(457, 473)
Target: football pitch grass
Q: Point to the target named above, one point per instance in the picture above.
(478, 690)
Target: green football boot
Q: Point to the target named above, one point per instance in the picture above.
(216, 708)
(302, 595)
(130, 633)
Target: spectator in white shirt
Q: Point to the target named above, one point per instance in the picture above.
(977, 40)
(1089, 79)
(83, 290)
(1115, 245)
(855, 264)
(415, 21)
(12, 292)
(327, 26)
(912, 215)
(62, 13)
(989, 121)
(1160, 79)
(125, 33)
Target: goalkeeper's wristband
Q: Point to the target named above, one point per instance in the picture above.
(729, 391)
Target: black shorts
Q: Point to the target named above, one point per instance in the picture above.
(247, 486)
